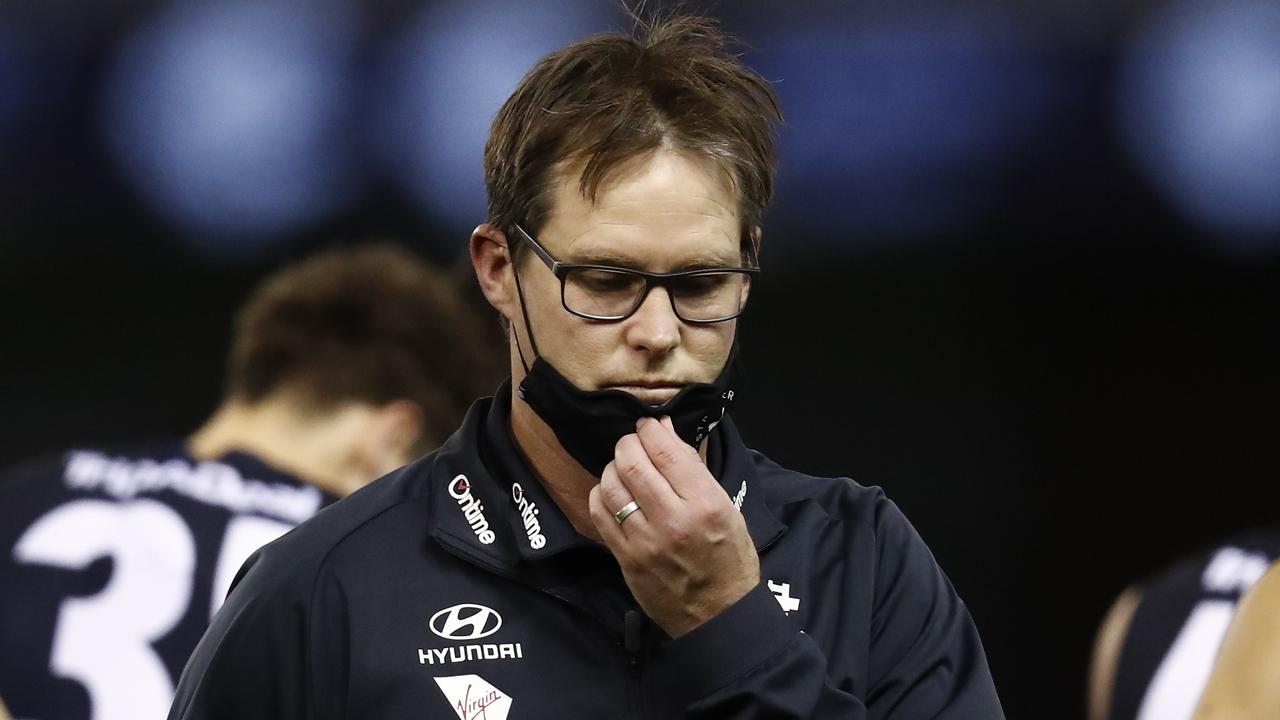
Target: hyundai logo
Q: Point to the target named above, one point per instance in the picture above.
(467, 621)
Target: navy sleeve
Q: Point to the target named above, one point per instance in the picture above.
(926, 660)
(750, 663)
(259, 659)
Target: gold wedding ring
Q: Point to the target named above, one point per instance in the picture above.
(626, 511)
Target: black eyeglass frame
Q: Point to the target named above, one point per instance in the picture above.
(561, 270)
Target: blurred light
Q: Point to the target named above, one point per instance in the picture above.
(1199, 102)
(447, 76)
(230, 118)
(15, 81)
(35, 76)
(899, 126)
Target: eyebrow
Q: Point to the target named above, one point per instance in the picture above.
(702, 261)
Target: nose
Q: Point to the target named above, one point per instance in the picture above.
(654, 328)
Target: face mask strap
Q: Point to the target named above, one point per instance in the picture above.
(525, 313)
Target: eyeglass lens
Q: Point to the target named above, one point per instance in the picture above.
(610, 294)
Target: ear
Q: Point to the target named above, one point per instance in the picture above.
(757, 237)
(491, 258)
(388, 439)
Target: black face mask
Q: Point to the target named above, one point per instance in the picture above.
(589, 424)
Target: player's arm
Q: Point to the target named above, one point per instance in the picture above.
(1106, 652)
(1245, 683)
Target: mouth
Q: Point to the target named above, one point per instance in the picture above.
(651, 394)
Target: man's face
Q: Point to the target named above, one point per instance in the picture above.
(661, 213)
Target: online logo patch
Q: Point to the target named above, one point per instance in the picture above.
(472, 510)
(467, 621)
(529, 514)
(473, 698)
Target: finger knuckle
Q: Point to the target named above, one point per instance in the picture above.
(615, 498)
(630, 468)
(680, 533)
(665, 456)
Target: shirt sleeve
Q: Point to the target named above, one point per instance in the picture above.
(750, 663)
(925, 657)
(259, 660)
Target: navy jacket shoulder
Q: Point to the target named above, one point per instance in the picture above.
(342, 617)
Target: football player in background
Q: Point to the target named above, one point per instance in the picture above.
(1245, 684)
(1157, 645)
(343, 367)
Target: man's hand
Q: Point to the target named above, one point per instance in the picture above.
(685, 553)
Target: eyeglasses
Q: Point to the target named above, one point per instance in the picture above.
(612, 294)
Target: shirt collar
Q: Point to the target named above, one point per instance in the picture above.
(731, 465)
(511, 502)
(540, 528)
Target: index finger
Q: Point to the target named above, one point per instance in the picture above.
(674, 458)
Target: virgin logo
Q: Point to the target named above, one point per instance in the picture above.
(473, 698)
(467, 621)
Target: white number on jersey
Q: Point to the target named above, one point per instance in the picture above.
(104, 641)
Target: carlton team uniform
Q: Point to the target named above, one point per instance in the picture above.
(455, 588)
(1181, 621)
(111, 565)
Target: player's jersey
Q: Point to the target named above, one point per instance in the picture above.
(111, 565)
(1181, 621)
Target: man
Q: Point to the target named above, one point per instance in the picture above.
(596, 541)
(1245, 683)
(1156, 647)
(343, 368)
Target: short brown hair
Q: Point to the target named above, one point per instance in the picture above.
(613, 97)
(367, 324)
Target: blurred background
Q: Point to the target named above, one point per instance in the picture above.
(1021, 270)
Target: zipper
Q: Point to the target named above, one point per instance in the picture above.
(633, 624)
(632, 640)
(633, 645)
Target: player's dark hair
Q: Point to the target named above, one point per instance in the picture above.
(674, 82)
(367, 324)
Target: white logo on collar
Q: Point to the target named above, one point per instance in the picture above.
(529, 514)
(473, 698)
(466, 621)
(741, 496)
(782, 593)
(472, 509)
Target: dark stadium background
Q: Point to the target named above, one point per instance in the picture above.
(1021, 270)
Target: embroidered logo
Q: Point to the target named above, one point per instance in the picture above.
(472, 509)
(467, 621)
(741, 496)
(528, 514)
(473, 698)
(470, 653)
(782, 593)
